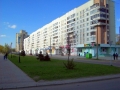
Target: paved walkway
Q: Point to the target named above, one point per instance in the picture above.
(102, 60)
(12, 77)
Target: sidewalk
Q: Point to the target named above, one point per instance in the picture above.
(81, 57)
(12, 77)
(102, 60)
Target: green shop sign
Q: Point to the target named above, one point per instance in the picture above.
(90, 45)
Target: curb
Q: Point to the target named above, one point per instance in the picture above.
(69, 81)
(80, 80)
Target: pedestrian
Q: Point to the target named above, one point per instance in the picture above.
(114, 56)
(5, 56)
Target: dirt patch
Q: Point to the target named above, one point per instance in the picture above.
(36, 78)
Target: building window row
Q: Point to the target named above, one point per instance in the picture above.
(70, 17)
(99, 15)
(55, 24)
(70, 21)
(99, 10)
(70, 29)
(94, 5)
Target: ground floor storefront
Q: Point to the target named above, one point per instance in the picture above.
(78, 50)
(101, 49)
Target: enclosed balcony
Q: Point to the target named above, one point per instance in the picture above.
(99, 22)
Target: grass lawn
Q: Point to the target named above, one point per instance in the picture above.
(54, 69)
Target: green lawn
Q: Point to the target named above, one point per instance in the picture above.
(54, 69)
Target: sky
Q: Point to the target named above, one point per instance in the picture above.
(30, 15)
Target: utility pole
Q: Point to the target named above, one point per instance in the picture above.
(11, 49)
(19, 47)
(19, 53)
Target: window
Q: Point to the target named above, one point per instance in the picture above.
(77, 27)
(107, 27)
(83, 11)
(80, 26)
(73, 15)
(83, 20)
(80, 17)
(80, 12)
(87, 34)
(107, 5)
(87, 19)
(83, 35)
(87, 14)
(67, 26)
(87, 39)
(87, 24)
(87, 9)
(87, 29)
(107, 11)
(72, 24)
(77, 14)
(83, 25)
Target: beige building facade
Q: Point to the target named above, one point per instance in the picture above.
(92, 21)
(20, 40)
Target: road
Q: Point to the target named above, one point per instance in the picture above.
(112, 84)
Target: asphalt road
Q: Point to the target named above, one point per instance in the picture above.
(112, 84)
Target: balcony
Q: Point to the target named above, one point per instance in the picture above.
(96, 6)
(93, 33)
(99, 22)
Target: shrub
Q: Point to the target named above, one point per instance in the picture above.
(70, 64)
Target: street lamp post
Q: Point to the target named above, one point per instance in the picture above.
(19, 53)
(68, 47)
(50, 47)
(11, 50)
(76, 38)
(97, 43)
(111, 52)
(19, 48)
(60, 46)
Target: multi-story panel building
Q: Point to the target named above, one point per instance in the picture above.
(20, 40)
(89, 23)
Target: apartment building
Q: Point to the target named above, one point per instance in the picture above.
(20, 40)
(89, 23)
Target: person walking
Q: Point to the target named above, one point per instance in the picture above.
(114, 55)
(5, 56)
